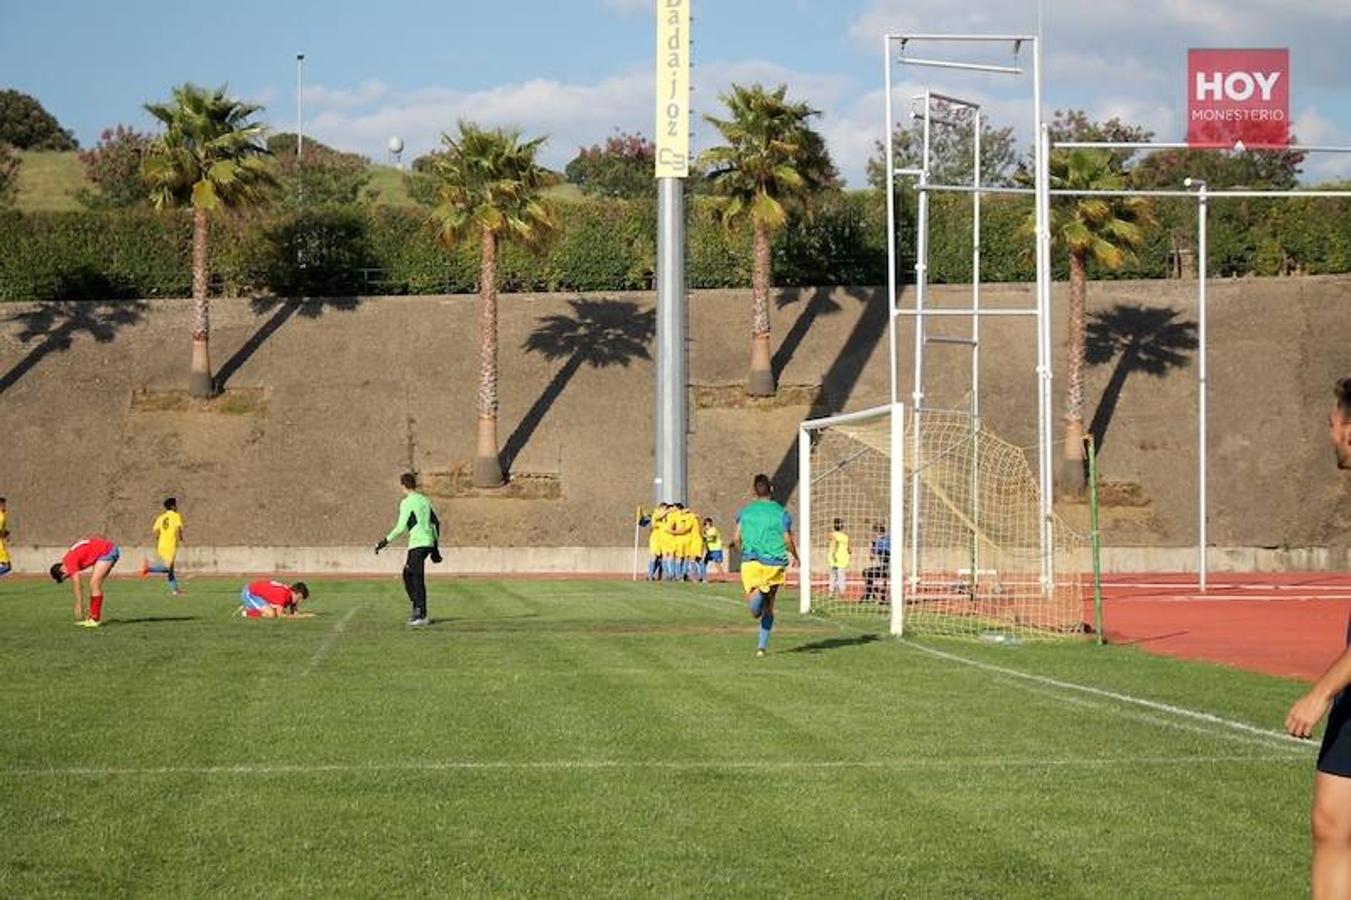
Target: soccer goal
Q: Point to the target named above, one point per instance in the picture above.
(944, 533)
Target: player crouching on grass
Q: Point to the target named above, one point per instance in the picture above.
(97, 555)
(274, 600)
(764, 531)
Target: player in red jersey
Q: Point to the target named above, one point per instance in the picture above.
(98, 556)
(270, 599)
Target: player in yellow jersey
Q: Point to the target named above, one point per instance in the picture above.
(673, 529)
(837, 557)
(4, 538)
(653, 523)
(712, 551)
(168, 531)
(694, 547)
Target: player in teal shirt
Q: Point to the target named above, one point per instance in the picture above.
(764, 531)
(416, 517)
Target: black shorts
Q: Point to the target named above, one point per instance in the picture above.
(1334, 757)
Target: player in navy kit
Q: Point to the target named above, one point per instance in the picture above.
(1331, 818)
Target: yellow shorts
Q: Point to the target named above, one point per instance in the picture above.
(756, 576)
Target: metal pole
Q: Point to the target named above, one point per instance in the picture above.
(1095, 536)
(1043, 228)
(917, 389)
(804, 513)
(975, 353)
(895, 516)
(671, 380)
(891, 220)
(1202, 501)
(300, 121)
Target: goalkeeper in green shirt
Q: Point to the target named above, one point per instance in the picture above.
(416, 517)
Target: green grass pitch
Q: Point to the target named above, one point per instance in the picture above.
(609, 739)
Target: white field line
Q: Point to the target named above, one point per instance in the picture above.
(1165, 722)
(1217, 722)
(1227, 728)
(338, 628)
(601, 765)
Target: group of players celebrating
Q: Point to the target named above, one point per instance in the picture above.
(684, 547)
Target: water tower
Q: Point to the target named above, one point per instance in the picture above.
(395, 146)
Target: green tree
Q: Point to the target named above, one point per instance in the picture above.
(621, 167)
(951, 150)
(1075, 125)
(322, 176)
(1274, 169)
(9, 176)
(113, 166)
(210, 157)
(489, 188)
(772, 163)
(26, 125)
(1105, 230)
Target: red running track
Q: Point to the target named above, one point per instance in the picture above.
(1287, 624)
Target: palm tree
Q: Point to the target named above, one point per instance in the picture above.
(489, 187)
(772, 163)
(210, 156)
(1107, 230)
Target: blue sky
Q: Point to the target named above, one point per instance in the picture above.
(577, 69)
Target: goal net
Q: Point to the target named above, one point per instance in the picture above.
(934, 526)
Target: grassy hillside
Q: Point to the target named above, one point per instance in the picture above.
(49, 181)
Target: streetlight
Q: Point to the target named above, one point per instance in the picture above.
(300, 122)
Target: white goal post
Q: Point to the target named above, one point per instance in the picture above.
(870, 456)
(931, 524)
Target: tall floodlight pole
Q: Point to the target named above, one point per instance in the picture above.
(300, 121)
(672, 167)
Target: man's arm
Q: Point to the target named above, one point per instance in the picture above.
(736, 536)
(401, 524)
(79, 595)
(1310, 709)
(791, 543)
(181, 538)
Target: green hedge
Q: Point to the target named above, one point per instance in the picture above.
(609, 245)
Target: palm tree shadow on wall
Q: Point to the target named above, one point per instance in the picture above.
(310, 262)
(1146, 339)
(55, 324)
(840, 379)
(598, 333)
(820, 303)
(281, 311)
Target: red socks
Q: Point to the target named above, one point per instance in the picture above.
(96, 607)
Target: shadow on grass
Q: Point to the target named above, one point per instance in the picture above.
(839, 643)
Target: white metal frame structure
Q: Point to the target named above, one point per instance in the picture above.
(894, 53)
(895, 507)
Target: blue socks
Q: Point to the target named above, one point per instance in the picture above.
(766, 625)
(173, 584)
(757, 604)
(158, 569)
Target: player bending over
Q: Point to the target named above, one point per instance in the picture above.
(168, 531)
(1331, 817)
(98, 556)
(4, 539)
(764, 531)
(274, 600)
